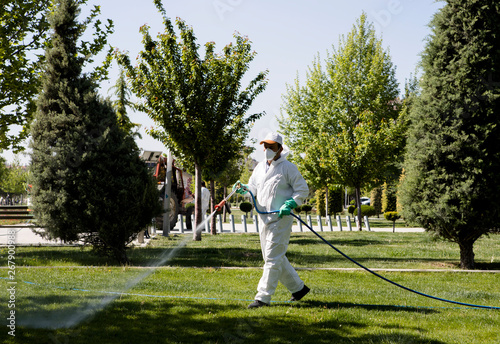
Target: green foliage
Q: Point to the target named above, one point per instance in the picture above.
(389, 197)
(335, 199)
(196, 102)
(306, 208)
(320, 201)
(13, 179)
(344, 122)
(23, 34)
(22, 31)
(366, 210)
(392, 216)
(351, 209)
(452, 162)
(121, 103)
(89, 182)
(246, 207)
(3, 168)
(376, 199)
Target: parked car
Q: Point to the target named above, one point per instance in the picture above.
(365, 201)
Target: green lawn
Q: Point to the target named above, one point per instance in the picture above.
(67, 295)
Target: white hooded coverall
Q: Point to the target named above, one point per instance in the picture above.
(272, 186)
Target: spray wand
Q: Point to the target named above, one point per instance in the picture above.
(219, 206)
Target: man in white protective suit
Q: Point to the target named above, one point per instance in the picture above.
(276, 184)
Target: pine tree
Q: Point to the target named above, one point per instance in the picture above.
(88, 180)
(451, 167)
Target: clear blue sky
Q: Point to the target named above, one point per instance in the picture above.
(286, 35)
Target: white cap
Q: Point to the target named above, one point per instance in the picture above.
(272, 138)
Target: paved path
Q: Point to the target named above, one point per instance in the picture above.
(24, 234)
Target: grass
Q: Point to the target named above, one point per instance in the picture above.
(191, 299)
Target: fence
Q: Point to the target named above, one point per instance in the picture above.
(15, 212)
(251, 225)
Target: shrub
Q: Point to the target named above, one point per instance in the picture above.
(392, 216)
(351, 208)
(307, 208)
(246, 207)
(366, 210)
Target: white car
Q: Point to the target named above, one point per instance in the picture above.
(365, 201)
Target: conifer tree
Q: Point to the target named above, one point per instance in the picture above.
(451, 168)
(88, 180)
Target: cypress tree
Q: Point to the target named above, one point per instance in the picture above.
(88, 180)
(452, 162)
(376, 199)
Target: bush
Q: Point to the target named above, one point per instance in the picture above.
(392, 216)
(366, 210)
(307, 208)
(246, 207)
(351, 208)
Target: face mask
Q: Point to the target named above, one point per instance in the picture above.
(270, 154)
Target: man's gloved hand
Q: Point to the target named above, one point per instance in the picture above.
(287, 207)
(240, 188)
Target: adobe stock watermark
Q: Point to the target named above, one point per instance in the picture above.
(243, 330)
(11, 282)
(222, 7)
(383, 17)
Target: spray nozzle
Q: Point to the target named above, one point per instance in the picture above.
(219, 206)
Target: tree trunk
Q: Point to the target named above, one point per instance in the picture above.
(213, 229)
(224, 208)
(466, 255)
(326, 201)
(358, 205)
(198, 216)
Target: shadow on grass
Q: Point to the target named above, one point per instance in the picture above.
(388, 308)
(347, 242)
(223, 252)
(207, 257)
(185, 321)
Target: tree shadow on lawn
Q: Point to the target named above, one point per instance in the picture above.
(388, 308)
(294, 240)
(186, 321)
(214, 257)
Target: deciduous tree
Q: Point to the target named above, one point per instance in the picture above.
(196, 101)
(23, 34)
(344, 124)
